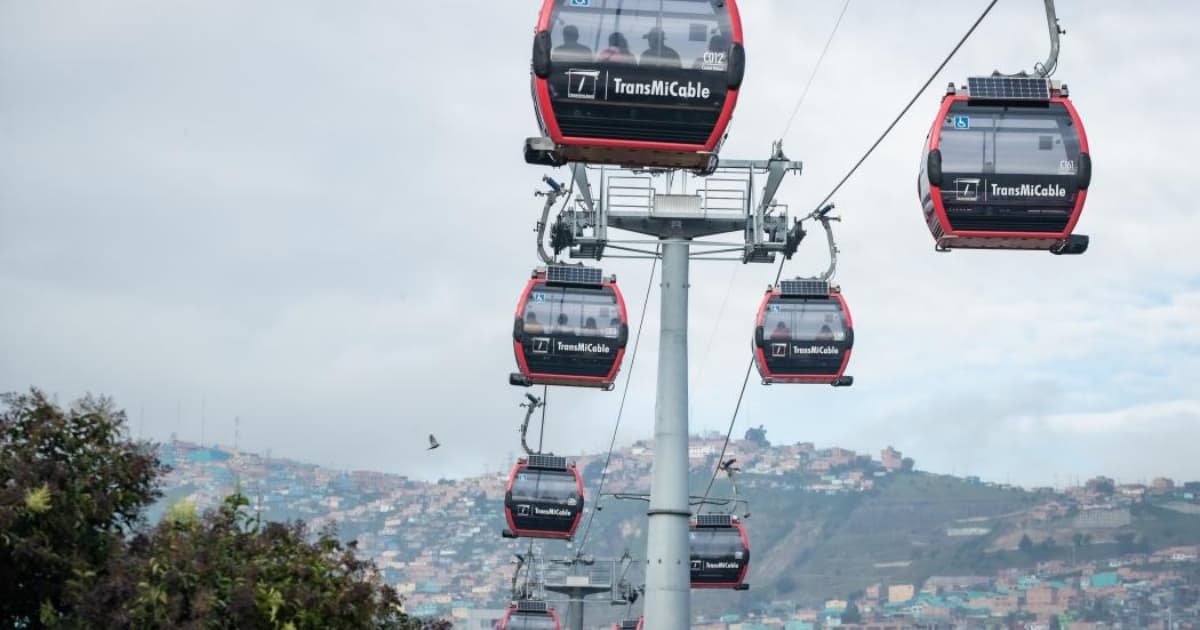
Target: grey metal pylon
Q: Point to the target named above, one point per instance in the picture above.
(668, 567)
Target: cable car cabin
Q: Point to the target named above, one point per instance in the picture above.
(570, 329)
(1006, 166)
(529, 615)
(804, 334)
(543, 498)
(631, 624)
(643, 83)
(720, 552)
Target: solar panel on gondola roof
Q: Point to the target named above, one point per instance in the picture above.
(531, 606)
(800, 286)
(550, 462)
(714, 520)
(1010, 88)
(570, 274)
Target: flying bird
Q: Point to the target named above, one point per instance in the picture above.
(433, 443)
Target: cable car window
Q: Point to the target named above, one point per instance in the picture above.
(716, 543)
(572, 311)
(663, 33)
(821, 320)
(1009, 141)
(546, 486)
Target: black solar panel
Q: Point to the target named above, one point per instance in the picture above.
(629, 624)
(526, 605)
(805, 287)
(548, 461)
(714, 520)
(564, 274)
(1010, 88)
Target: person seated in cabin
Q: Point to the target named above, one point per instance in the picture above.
(563, 327)
(659, 54)
(827, 334)
(781, 332)
(614, 328)
(617, 51)
(571, 49)
(589, 327)
(532, 325)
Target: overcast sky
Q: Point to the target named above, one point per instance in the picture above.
(315, 216)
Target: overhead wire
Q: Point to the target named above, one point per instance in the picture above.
(779, 274)
(813, 75)
(911, 102)
(637, 340)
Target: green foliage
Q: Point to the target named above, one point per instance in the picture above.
(851, 614)
(72, 484)
(907, 464)
(228, 570)
(75, 551)
(1026, 545)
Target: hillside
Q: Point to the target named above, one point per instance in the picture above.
(824, 523)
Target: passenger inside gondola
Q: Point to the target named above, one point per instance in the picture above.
(781, 332)
(714, 59)
(532, 326)
(617, 51)
(614, 328)
(563, 325)
(659, 54)
(571, 49)
(589, 326)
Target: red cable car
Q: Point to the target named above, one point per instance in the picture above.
(719, 551)
(804, 334)
(529, 615)
(631, 624)
(1006, 166)
(601, 102)
(570, 329)
(543, 498)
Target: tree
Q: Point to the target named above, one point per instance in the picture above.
(758, 436)
(229, 570)
(75, 551)
(907, 464)
(1026, 545)
(851, 614)
(73, 485)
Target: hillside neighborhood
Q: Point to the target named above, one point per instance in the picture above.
(1067, 558)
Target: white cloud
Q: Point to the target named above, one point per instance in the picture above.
(318, 220)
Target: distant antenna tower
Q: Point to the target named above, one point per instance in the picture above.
(237, 429)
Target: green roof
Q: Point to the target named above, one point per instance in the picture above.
(1105, 580)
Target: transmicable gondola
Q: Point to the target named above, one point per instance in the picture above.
(804, 334)
(601, 100)
(529, 615)
(720, 552)
(570, 329)
(543, 498)
(1006, 166)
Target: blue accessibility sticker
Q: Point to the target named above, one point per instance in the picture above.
(580, 3)
(962, 122)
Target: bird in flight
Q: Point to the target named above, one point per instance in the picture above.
(433, 443)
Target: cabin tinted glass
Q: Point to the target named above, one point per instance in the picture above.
(572, 311)
(804, 320)
(1010, 140)
(544, 486)
(659, 33)
(715, 543)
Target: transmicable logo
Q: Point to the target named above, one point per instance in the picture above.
(814, 349)
(555, 512)
(582, 84)
(966, 188)
(659, 87)
(1028, 190)
(582, 346)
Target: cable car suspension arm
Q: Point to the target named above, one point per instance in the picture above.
(531, 406)
(556, 191)
(822, 215)
(1047, 69)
